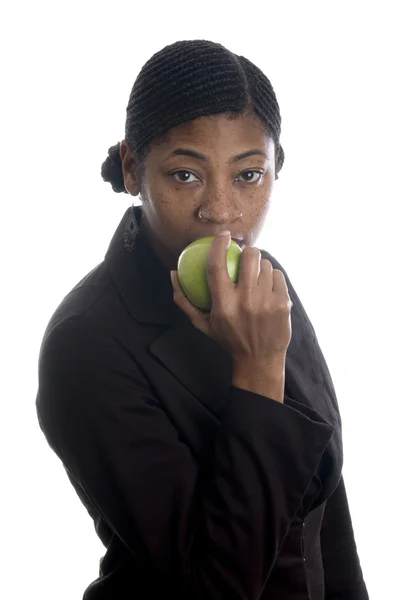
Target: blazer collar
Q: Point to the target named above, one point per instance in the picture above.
(141, 279)
(201, 365)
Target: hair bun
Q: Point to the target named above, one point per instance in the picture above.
(111, 170)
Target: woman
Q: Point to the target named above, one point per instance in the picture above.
(206, 447)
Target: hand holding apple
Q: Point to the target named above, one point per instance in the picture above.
(251, 319)
(192, 270)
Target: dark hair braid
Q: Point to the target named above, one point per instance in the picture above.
(187, 80)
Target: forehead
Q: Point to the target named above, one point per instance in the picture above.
(225, 130)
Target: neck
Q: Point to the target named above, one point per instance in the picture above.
(167, 259)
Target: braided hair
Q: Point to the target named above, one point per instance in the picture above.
(187, 80)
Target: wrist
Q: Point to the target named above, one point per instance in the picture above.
(270, 368)
(265, 377)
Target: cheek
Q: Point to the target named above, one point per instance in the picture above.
(161, 201)
(169, 216)
(255, 215)
(157, 203)
(257, 206)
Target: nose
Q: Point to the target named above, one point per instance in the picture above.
(219, 208)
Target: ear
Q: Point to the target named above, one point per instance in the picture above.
(130, 169)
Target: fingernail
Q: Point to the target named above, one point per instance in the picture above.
(172, 277)
(226, 234)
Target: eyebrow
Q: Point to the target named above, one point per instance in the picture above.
(199, 156)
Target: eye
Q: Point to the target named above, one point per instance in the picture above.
(251, 176)
(184, 176)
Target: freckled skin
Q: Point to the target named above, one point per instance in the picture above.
(230, 195)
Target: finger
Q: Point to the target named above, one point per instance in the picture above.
(266, 279)
(280, 285)
(249, 268)
(218, 278)
(197, 317)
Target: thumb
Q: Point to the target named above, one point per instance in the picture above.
(197, 317)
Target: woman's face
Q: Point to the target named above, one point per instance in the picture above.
(219, 166)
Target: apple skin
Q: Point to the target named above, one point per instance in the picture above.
(192, 270)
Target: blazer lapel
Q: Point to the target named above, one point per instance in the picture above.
(201, 365)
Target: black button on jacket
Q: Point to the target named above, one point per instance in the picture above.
(198, 490)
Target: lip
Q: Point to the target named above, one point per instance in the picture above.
(239, 240)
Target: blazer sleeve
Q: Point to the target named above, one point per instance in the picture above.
(203, 536)
(342, 569)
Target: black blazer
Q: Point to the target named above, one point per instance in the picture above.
(199, 490)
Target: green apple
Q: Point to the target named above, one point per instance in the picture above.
(192, 270)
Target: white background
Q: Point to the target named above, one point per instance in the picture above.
(67, 70)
